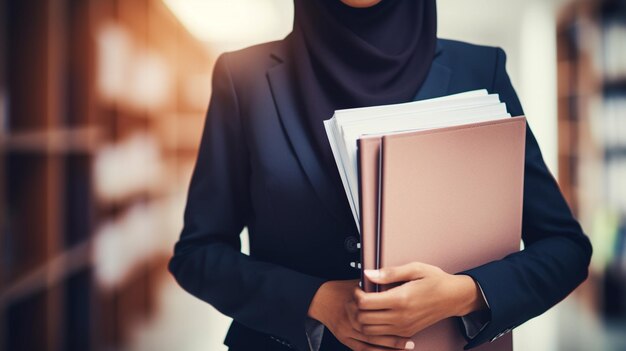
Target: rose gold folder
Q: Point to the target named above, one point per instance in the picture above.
(369, 161)
(450, 197)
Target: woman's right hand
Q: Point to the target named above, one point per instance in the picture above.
(334, 306)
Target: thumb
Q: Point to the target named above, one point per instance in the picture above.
(388, 275)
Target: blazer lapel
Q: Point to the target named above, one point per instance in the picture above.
(286, 104)
(435, 85)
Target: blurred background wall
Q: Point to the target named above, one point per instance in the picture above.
(101, 108)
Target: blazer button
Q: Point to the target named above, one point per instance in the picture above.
(351, 244)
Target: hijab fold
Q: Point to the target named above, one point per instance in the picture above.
(345, 57)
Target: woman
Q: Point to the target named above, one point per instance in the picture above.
(265, 163)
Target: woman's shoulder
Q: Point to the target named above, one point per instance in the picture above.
(470, 62)
(268, 54)
(466, 54)
(479, 64)
(254, 60)
(465, 48)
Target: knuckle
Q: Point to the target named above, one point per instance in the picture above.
(396, 342)
(356, 324)
(409, 315)
(403, 298)
(368, 339)
(360, 301)
(405, 332)
(382, 341)
(404, 315)
(359, 318)
(366, 330)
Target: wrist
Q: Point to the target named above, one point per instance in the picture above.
(318, 303)
(469, 297)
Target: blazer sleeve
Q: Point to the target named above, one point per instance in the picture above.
(207, 261)
(556, 256)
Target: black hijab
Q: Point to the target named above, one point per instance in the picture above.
(346, 57)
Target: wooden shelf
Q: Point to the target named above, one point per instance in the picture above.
(581, 152)
(60, 121)
(78, 319)
(28, 217)
(62, 140)
(27, 323)
(49, 273)
(78, 199)
(30, 58)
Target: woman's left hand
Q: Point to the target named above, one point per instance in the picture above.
(427, 295)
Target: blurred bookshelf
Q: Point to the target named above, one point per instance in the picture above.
(591, 53)
(101, 108)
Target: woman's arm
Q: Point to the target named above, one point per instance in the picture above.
(517, 288)
(556, 256)
(207, 261)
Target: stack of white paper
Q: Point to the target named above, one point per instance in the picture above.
(347, 126)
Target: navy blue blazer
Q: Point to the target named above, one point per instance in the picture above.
(257, 167)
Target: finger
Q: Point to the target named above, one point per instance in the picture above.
(377, 301)
(354, 344)
(388, 275)
(388, 341)
(352, 312)
(423, 323)
(380, 329)
(400, 331)
(377, 317)
(358, 345)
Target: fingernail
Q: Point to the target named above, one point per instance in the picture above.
(372, 273)
(410, 345)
